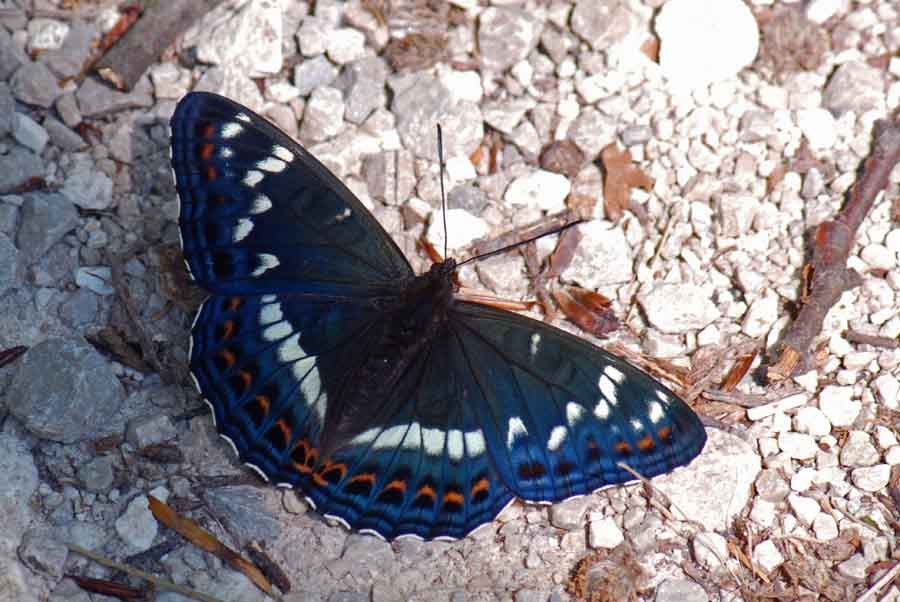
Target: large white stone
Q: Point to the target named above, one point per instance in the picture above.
(602, 257)
(837, 404)
(872, 478)
(677, 308)
(704, 41)
(250, 37)
(462, 228)
(604, 532)
(767, 556)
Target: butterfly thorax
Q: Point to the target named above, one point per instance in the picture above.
(412, 321)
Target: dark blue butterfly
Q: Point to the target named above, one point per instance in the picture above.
(396, 408)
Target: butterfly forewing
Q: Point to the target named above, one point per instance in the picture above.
(260, 214)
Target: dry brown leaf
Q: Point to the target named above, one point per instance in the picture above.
(607, 576)
(205, 540)
(109, 588)
(562, 157)
(589, 310)
(621, 176)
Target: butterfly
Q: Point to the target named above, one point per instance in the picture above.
(395, 407)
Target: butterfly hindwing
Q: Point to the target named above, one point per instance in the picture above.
(423, 469)
(260, 214)
(559, 414)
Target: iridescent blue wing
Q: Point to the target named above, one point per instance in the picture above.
(558, 413)
(501, 406)
(259, 214)
(273, 364)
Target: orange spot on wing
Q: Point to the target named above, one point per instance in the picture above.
(623, 448)
(227, 329)
(228, 356)
(481, 485)
(427, 491)
(593, 450)
(211, 173)
(329, 466)
(284, 428)
(246, 378)
(366, 477)
(398, 484)
(207, 130)
(311, 459)
(646, 444)
(302, 465)
(206, 151)
(665, 433)
(263, 402)
(453, 497)
(234, 302)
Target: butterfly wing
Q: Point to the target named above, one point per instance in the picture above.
(297, 268)
(259, 214)
(502, 406)
(560, 414)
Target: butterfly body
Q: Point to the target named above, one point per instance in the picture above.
(410, 323)
(395, 407)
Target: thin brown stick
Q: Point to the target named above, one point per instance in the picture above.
(205, 540)
(538, 281)
(140, 47)
(161, 584)
(8, 356)
(827, 276)
(749, 400)
(546, 224)
(148, 348)
(869, 339)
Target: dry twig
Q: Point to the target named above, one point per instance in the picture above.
(142, 44)
(160, 584)
(826, 277)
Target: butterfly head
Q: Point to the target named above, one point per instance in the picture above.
(442, 270)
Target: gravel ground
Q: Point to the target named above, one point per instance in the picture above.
(745, 124)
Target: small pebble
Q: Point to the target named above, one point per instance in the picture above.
(767, 556)
(603, 532)
(838, 406)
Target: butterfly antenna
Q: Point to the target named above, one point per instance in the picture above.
(521, 242)
(440, 150)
